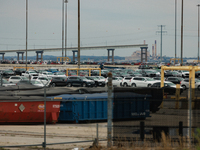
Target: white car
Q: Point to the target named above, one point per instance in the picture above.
(126, 81)
(185, 84)
(59, 74)
(30, 74)
(184, 73)
(5, 83)
(100, 78)
(15, 79)
(116, 81)
(44, 80)
(141, 82)
(47, 74)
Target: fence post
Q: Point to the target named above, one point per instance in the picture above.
(97, 130)
(1, 79)
(142, 130)
(109, 111)
(44, 143)
(181, 128)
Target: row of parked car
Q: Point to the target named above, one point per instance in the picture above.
(121, 77)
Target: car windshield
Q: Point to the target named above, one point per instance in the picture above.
(197, 80)
(32, 72)
(150, 79)
(101, 77)
(60, 73)
(171, 84)
(9, 71)
(120, 78)
(49, 73)
(54, 70)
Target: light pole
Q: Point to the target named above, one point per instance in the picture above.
(62, 30)
(66, 1)
(175, 30)
(26, 30)
(78, 33)
(198, 33)
(182, 34)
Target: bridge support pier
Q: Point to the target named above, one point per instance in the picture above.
(2, 55)
(75, 54)
(144, 54)
(41, 54)
(18, 53)
(112, 57)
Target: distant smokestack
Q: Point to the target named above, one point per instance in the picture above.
(155, 49)
(144, 41)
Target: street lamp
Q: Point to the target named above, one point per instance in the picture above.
(198, 33)
(182, 34)
(62, 30)
(66, 1)
(78, 33)
(26, 30)
(175, 30)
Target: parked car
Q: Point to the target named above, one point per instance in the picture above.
(141, 82)
(145, 67)
(96, 80)
(59, 74)
(185, 73)
(158, 78)
(5, 83)
(185, 84)
(15, 79)
(46, 74)
(79, 81)
(169, 87)
(44, 80)
(30, 82)
(58, 81)
(53, 70)
(173, 74)
(19, 71)
(126, 81)
(8, 73)
(116, 81)
(148, 73)
(29, 74)
(175, 80)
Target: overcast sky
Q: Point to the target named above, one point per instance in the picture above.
(103, 22)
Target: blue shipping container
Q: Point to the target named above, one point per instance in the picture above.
(94, 107)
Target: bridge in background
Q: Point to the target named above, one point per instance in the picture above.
(143, 48)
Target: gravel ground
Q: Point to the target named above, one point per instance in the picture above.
(34, 134)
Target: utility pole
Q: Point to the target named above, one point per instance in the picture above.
(26, 31)
(198, 33)
(175, 29)
(161, 32)
(182, 34)
(78, 33)
(66, 1)
(62, 30)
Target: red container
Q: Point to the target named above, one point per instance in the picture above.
(29, 112)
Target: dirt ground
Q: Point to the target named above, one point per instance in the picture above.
(56, 133)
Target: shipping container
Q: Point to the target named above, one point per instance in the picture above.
(29, 112)
(84, 107)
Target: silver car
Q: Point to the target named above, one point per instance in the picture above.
(185, 84)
